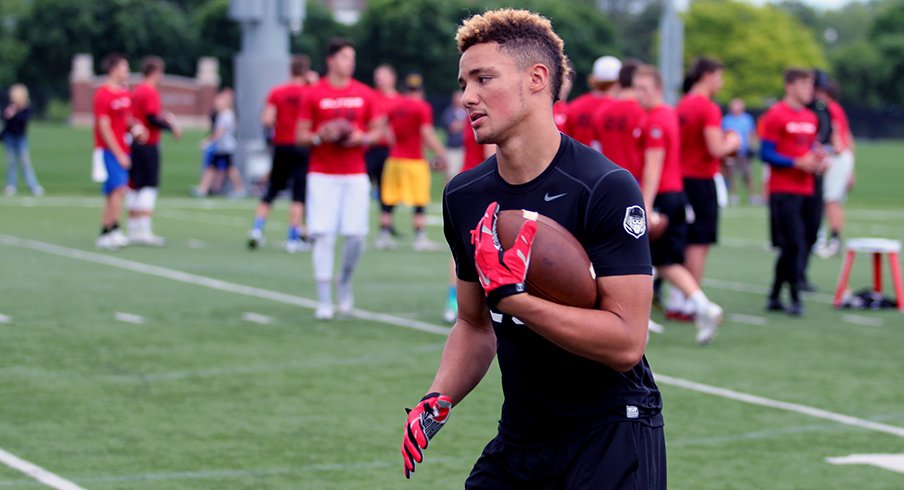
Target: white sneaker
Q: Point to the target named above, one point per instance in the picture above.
(708, 321)
(147, 238)
(450, 315)
(119, 238)
(106, 242)
(256, 239)
(324, 311)
(296, 246)
(384, 241)
(423, 244)
(655, 327)
(345, 299)
(826, 249)
(38, 191)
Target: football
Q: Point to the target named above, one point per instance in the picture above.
(658, 224)
(560, 270)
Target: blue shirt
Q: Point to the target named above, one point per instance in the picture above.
(743, 125)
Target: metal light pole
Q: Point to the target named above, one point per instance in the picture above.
(262, 63)
(671, 52)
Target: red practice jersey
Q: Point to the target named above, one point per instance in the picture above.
(560, 114)
(117, 104)
(696, 113)
(658, 128)
(839, 117)
(794, 134)
(146, 102)
(407, 117)
(474, 151)
(614, 127)
(385, 103)
(579, 124)
(354, 102)
(287, 99)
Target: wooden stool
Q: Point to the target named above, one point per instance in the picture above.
(877, 247)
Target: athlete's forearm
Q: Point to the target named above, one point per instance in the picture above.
(432, 141)
(770, 155)
(652, 174)
(467, 356)
(106, 134)
(159, 122)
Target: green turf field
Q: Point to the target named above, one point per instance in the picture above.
(200, 365)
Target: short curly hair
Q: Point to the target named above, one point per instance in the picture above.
(526, 35)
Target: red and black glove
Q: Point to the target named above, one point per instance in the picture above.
(502, 273)
(424, 421)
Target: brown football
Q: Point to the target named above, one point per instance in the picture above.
(560, 270)
(658, 224)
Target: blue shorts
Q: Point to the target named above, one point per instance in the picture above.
(116, 175)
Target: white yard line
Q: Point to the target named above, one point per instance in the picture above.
(866, 321)
(891, 462)
(129, 318)
(36, 472)
(5, 318)
(257, 318)
(748, 319)
(424, 327)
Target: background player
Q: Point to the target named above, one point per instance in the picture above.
(787, 145)
(406, 178)
(338, 120)
(14, 135)
(387, 95)
(839, 177)
(144, 175)
(582, 368)
(703, 145)
(740, 122)
(615, 123)
(603, 87)
(112, 121)
(560, 108)
(290, 161)
(661, 185)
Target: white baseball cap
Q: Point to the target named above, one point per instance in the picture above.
(606, 68)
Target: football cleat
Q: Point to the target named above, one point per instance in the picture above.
(324, 311)
(708, 321)
(345, 299)
(256, 239)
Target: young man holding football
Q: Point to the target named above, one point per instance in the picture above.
(581, 408)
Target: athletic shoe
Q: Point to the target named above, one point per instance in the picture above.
(679, 316)
(256, 239)
(196, 192)
(450, 315)
(10, 191)
(147, 239)
(807, 286)
(384, 241)
(708, 322)
(655, 327)
(828, 248)
(105, 242)
(38, 191)
(295, 246)
(345, 299)
(119, 238)
(324, 311)
(796, 308)
(423, 244)
(775, 304)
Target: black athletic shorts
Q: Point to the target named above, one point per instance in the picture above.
(289, 163)
(145, 170)
(669, 248)
(621, 455)
(701, 194)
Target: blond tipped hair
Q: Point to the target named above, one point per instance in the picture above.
(525, 35)
(18, 94)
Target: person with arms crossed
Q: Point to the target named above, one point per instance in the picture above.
(144, 176)
(703, 145)
(338, 120)
(788, 145)
(406, 178)
(581, 408)
(112, 122)
(603, 88)
(290, 161)
(663, 192)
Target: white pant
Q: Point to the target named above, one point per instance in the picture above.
(837, 176)
(338, 204)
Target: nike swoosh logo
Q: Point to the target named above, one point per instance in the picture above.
(548, 198)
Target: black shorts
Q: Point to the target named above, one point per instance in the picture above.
(701, 194)
(621, 455)
(145, 170)
(289, 163)
(221, 161)
(669, 248)
(375, 158)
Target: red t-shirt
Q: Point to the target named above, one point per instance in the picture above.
(614, 126)
(696, 113)
(474, 151)
(659, 129)
(117, 104)
(560, 114)
(384, 103)
(839, 117)
(287, 99)
(794, 134)
(407, 116)
(146, 102)
(354, 102)
(579, 122)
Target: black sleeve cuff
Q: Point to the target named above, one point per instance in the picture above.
(496, 295)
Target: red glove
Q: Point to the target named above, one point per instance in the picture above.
(502, 273)
(424, 421)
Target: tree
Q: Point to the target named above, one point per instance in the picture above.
(218, 36)
(12, 50)
(887, 35)
(318, 28)
(756, 44)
